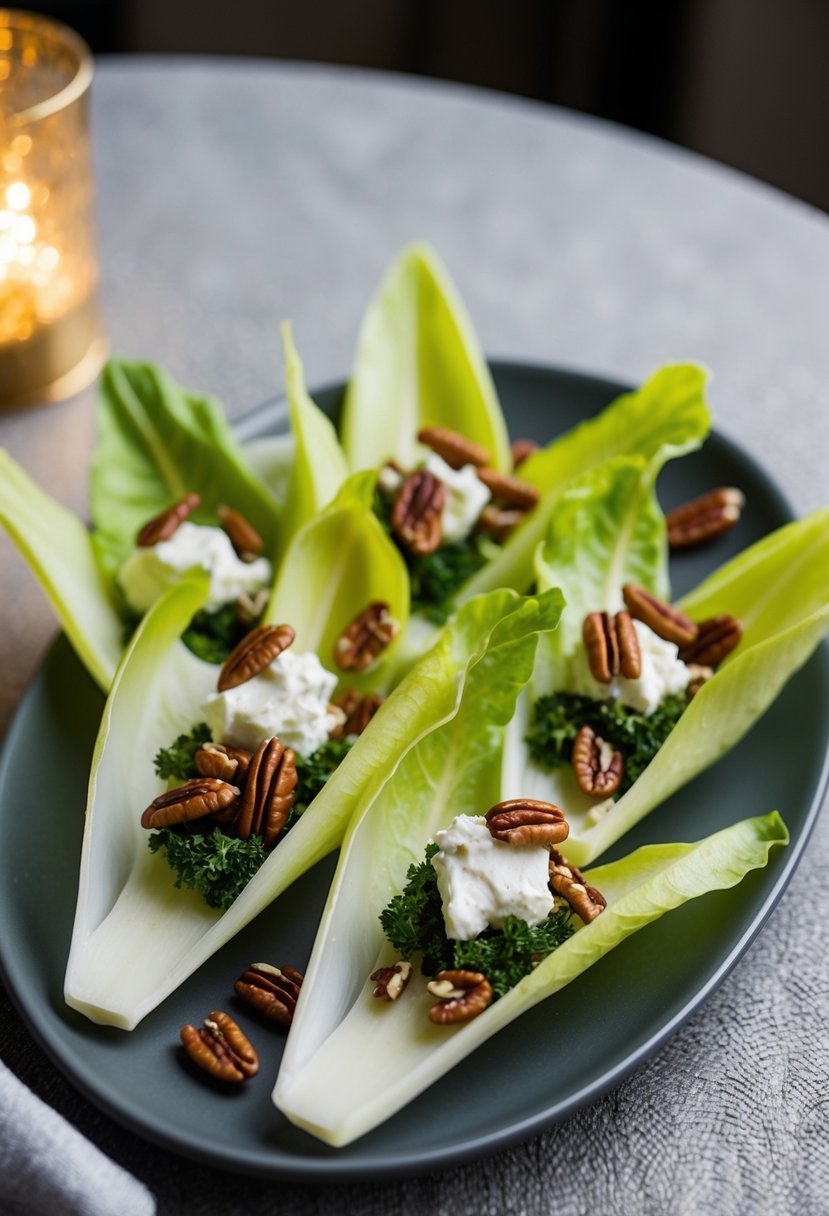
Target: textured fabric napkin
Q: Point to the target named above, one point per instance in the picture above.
(47, 1166)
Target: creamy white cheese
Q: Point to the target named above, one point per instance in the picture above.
(482, 881)
(290, 698)
(466, 496)
(663, 673)
(152, 570)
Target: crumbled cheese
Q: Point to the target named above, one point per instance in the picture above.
(466, 496)
(482, 881)
(152, 570)
(663, 674)
(290, 698)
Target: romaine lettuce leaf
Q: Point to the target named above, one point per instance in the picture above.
(418, 363)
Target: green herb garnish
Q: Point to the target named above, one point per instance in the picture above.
(560, 716)
(219, 867)
(212, 635)
(413, 922)
(314, 771)
(436, 577)
(178, 761)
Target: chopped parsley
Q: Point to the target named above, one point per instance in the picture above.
(178, 761)
(413, 923)
(560, 716)
(212, 635)
(219, 867)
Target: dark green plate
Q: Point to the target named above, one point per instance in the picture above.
(561, 1055)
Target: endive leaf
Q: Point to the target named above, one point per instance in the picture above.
(155, 443)
(59, 551)
(418, 363)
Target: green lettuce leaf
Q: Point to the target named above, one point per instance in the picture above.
(418, 363)
(59, 551)
(155, 443)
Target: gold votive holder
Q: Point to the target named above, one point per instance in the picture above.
(51, 338)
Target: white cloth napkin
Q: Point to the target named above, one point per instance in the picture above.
(48, 1166)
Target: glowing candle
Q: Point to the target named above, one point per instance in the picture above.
(51, 343)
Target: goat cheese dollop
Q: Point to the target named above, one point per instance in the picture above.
(482, 881)
(466, 496)
(663, 674)
(290, 698)
(150, 571)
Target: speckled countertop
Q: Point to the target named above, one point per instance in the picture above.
(232, 195)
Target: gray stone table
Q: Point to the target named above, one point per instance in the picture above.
(234, 194)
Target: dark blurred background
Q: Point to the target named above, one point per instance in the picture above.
(743, 81)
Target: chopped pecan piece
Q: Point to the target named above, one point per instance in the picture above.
(358, 709)
(666, 621)
(416, 514)
(253, 654)
(717, 637)
(455, 449)
(521, 449)
(598, 768)
(461, 996)
(612, 646)
(704, 518)
(527, 821)
(698, 674)
(196, 799)
(161, 527)
(499, 522)
(364, 639)
(272, 991)
(390, 981)
(220, 1048)
(510, 491)
(243, 536)
(249, 607)
(569, 882)
(218, 760)
(269, 792)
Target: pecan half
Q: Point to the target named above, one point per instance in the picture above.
(272, 991)
(364, 639)
(569, 882)
(717, 637)
(612, 646)
(455, 449)
(510, 491)
(499, 522)
(521, 449)
(162, 526)
(243, 536)
(218, 760)
(704, 518)
(197, 798)
(254, 653)
(667, 622)
(598, 768)
(527, 821)
(269, 792)
(416, 514)
(358, 710)
(390, 981)
(461, 995)
(220, 1048)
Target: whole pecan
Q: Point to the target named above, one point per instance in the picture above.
(220, 1048)
(416, 514)
(272, 991)
(527, 821)
(390, 981)
(666, 621)
(269, 792)
(704, 518)
(569, 882)
(717, 637)
(499, 522)
(597, 767)
(521, 449)
(612, 646)
(254, 653)
(219, 760)
(364, 639)
(455, 449)
(162, 526)
(461, 995)
(197, 798)
(510, 491)
(243, 536)
(358, 709)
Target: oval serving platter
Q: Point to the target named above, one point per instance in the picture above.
(561, 1055)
